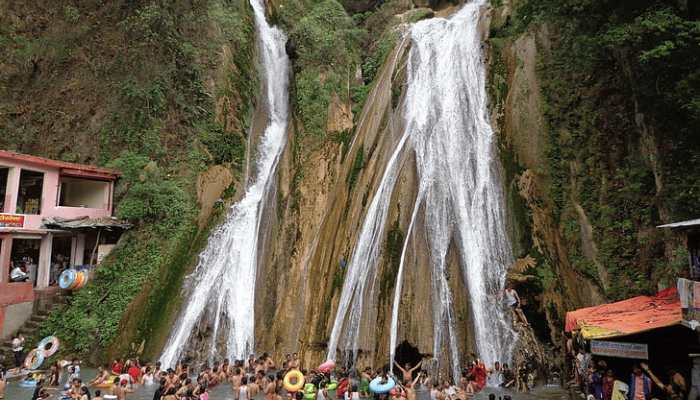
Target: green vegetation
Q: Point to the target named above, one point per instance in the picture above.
(357, 165)
(325, 42)
(392, 253)
(160, 91)
(621, 89)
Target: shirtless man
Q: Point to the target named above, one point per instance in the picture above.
(120, 390)
(223, 371)
(408, 371)
(270, 363)
(271, 388)
(102, 375)
(512, 300)
(411, 389)
(235, 380)
(294, 363)
(253, 387)
(250, 364)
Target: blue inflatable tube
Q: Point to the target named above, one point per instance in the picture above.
(26, 383)
(67, 278)
(379, 386)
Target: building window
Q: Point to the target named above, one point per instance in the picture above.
(77, 192)
(31, 186)
(3, 187)
(24, 258)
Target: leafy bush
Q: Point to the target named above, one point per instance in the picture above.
(326, 36)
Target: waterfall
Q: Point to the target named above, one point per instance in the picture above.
(460, 195)
(221, 289)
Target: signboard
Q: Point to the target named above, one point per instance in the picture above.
(11, 221)
(620, 349)
(689, 292)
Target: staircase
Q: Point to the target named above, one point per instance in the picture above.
(43, 306)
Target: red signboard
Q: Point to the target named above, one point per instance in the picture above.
(11, 221)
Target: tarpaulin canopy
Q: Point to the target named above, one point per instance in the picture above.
(627, 317)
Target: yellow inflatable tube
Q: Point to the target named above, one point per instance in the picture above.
(293, 381)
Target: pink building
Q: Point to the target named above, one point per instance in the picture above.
(53, 215)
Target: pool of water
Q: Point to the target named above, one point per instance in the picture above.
(224, 392)
(549, 392)
(141, 392)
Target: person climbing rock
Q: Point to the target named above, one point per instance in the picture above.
(512, 300)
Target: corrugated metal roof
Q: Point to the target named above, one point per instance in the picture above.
(690, 222)
(85, 223)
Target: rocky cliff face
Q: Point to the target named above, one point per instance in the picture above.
(517, 111)
(307, 265)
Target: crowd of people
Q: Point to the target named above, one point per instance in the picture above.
(597, 381)
(261, 378)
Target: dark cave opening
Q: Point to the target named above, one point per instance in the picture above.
(406, 353)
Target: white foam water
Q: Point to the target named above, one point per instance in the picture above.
(459, 194)
(222, 287)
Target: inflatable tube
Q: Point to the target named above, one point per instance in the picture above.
(44, 348)
(85, 280)
(67, 278)
(34, 360)
(107, 383)
(309, 391)
(78, 282)
(332, 385)
(378, 386)
(26, 383)
(327, 366)
(109, 397)
(293, 381)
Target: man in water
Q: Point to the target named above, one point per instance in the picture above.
(407, 372)
(120, 389)
(294, 363)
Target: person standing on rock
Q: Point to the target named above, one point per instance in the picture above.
(513, 302)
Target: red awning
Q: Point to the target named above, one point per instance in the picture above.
(627, 317)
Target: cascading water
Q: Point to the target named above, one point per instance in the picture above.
(447, 127)
(223, 284)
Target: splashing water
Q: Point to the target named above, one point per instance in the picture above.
(222, 286)
(459, 192)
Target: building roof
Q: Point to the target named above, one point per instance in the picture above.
(627, 317)
(682, 224)
(66, 168)
(107, 223)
